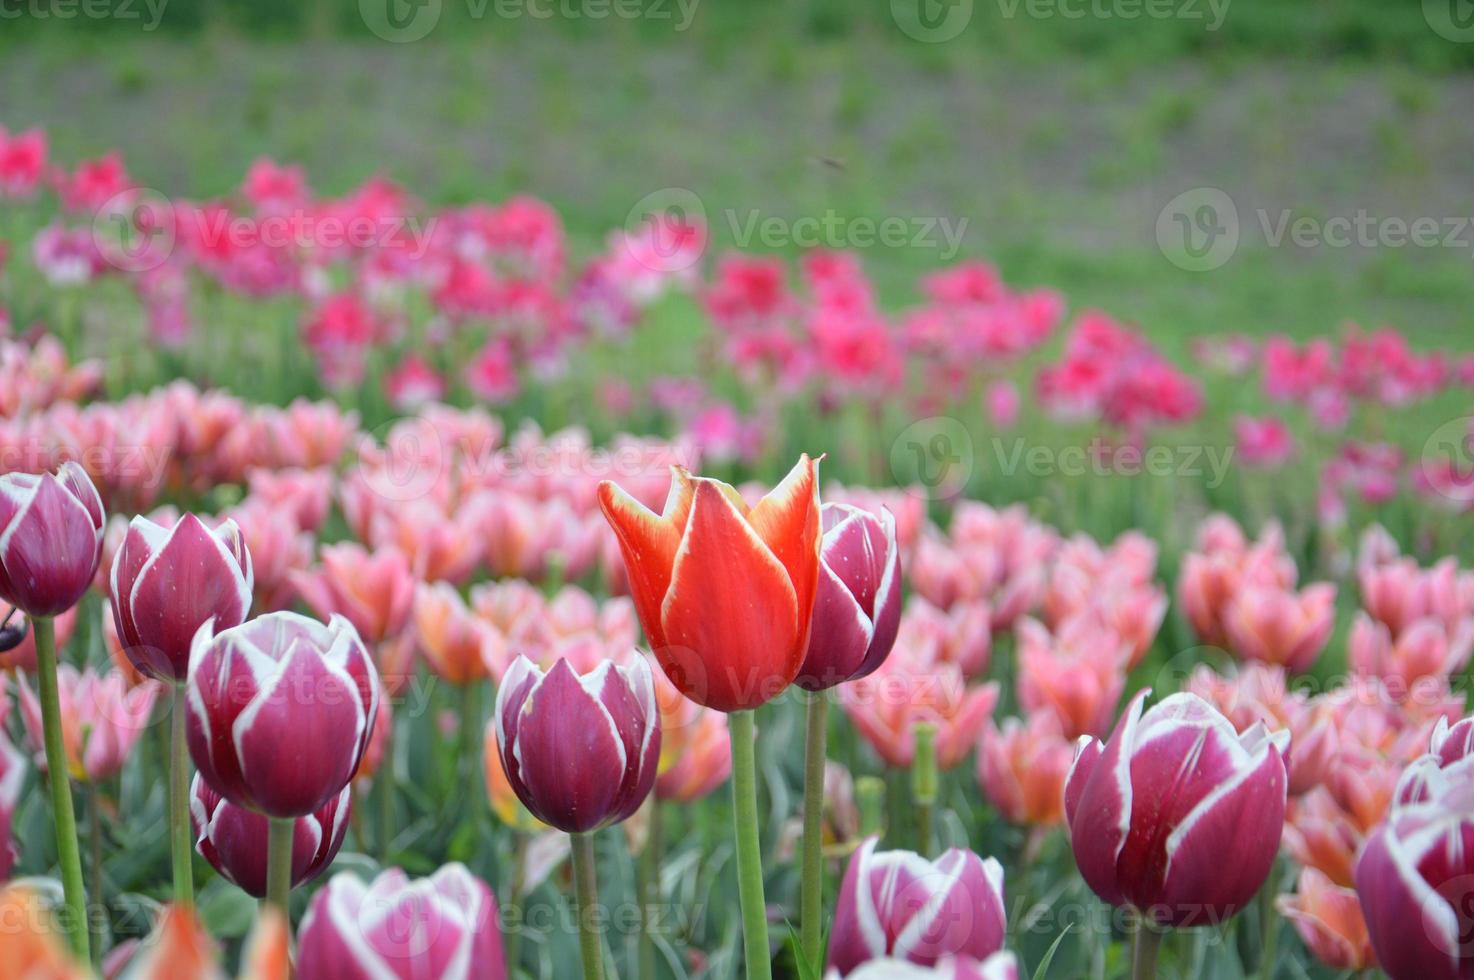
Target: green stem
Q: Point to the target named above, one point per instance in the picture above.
(1269, 923)
(650, 889)
(749, 853)
(586, 890)
(519, 880)
(870, 794)
(811, 887)
(61, 789)
(94, 867)
(179, 831)
(383, 792)
(924, 785)
(1144, 946)
(279, 862)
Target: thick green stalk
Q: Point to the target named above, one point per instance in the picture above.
(179, 831)
(67, 851)
(811, 888)
(870, 794)
(650, 894)
(279, 862)
(586, 891)
(1144, 946)
(924, 785)
(749, 854)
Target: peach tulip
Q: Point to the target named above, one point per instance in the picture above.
(102, 718)
(457, 645)
(1281, 627)
(1077, 675)
(1328, 918)
(373, 590)
(1022, 769)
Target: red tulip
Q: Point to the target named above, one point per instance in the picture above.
(857, 609)
(580, 751)
(725, 591)
(280, 711)
(168, 582)
(1154, 812)
(445, 926)
(50, 539)
(899, 904)
(233, 839)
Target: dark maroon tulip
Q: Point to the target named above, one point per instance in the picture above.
(233, 839)
(581, 752)
(168, 582)
(280, 711)
(50, 539)
(445, 926)
(1449, 760)
(1178, 815)
(1415, 880)
(857, 609)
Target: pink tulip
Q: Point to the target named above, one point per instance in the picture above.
(581, 751)
(1422, 650)
(167, 583)
(1279, 627)
(1329, 921)
(898, 904)
(1263, 442)
(305, 494)
(457, 645)
(50, 539)
(1077, 675)
(1022, 769)
(101, 720)
(911, 687)
(373, 590)
(22, 162)
(445, 926)
(1153, 811)
(233, 839)
(857, 610)
(280, 711)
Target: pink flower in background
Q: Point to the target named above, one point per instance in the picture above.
(413, 384)
(93, 184)
(279, 551)
(374, 590)
(1230, 354)
(1328, 918)
(492, 374)
(1423, 649)
(304, 494)
(1223, 564)
(1281, 627)
(1022, 768)
(1293, 373)
(1002, 403)
(1076, 675)
(102, 717)
(67, 256)
(22, 162)
(1263, 442)
(270, 186)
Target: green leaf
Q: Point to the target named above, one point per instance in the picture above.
(1042, 969)
(225, 910)
(803, 961)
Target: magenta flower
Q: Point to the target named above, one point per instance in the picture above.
(1154, 811)
(857, 610)
(581, 751)
(167, 583)
(445, 926)
(233, 839)
(50, 539)
(280, 711)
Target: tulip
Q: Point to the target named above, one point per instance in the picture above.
(1422, 649)
(1281, 627)
(1077, 674)
(457, 645)
(999, 966)
(1329, 921)
(101, 720)
(50, 539)
(233, 839)
(373, 590)
(909, 690)
(898, 904)
(1414, 880)
(31, 946)
(12, 778)
(280, 711)
(22, 656)
(445, 926)
(1022, 769)
(695, 751)
(1154, 810)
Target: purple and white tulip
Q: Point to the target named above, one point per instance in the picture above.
(1154, 812)
(999, 966)
(900, 905)
(445, 926)
(50, 539)
(168, 582)
(857, 608)
(233, 839)
(1449, 760)
(280, 711)
(581, 751)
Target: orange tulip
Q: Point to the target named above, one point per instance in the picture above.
(724, 591)
(34, 947)
(456, 644)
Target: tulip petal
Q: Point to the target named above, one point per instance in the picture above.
(649, 543)
(839, 629)
(1102, 817)
(787, 522)
(731, 626)
(49, 550)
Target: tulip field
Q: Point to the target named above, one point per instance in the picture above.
(398, 584)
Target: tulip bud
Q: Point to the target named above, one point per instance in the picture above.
(280, 711)
(999, 966)
(901, 905)
(233, 839)
(444, 926)
(167, 583)
(581, 751)
(50, 539)
(857, 608)
(725, 591)
(1154, 811)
